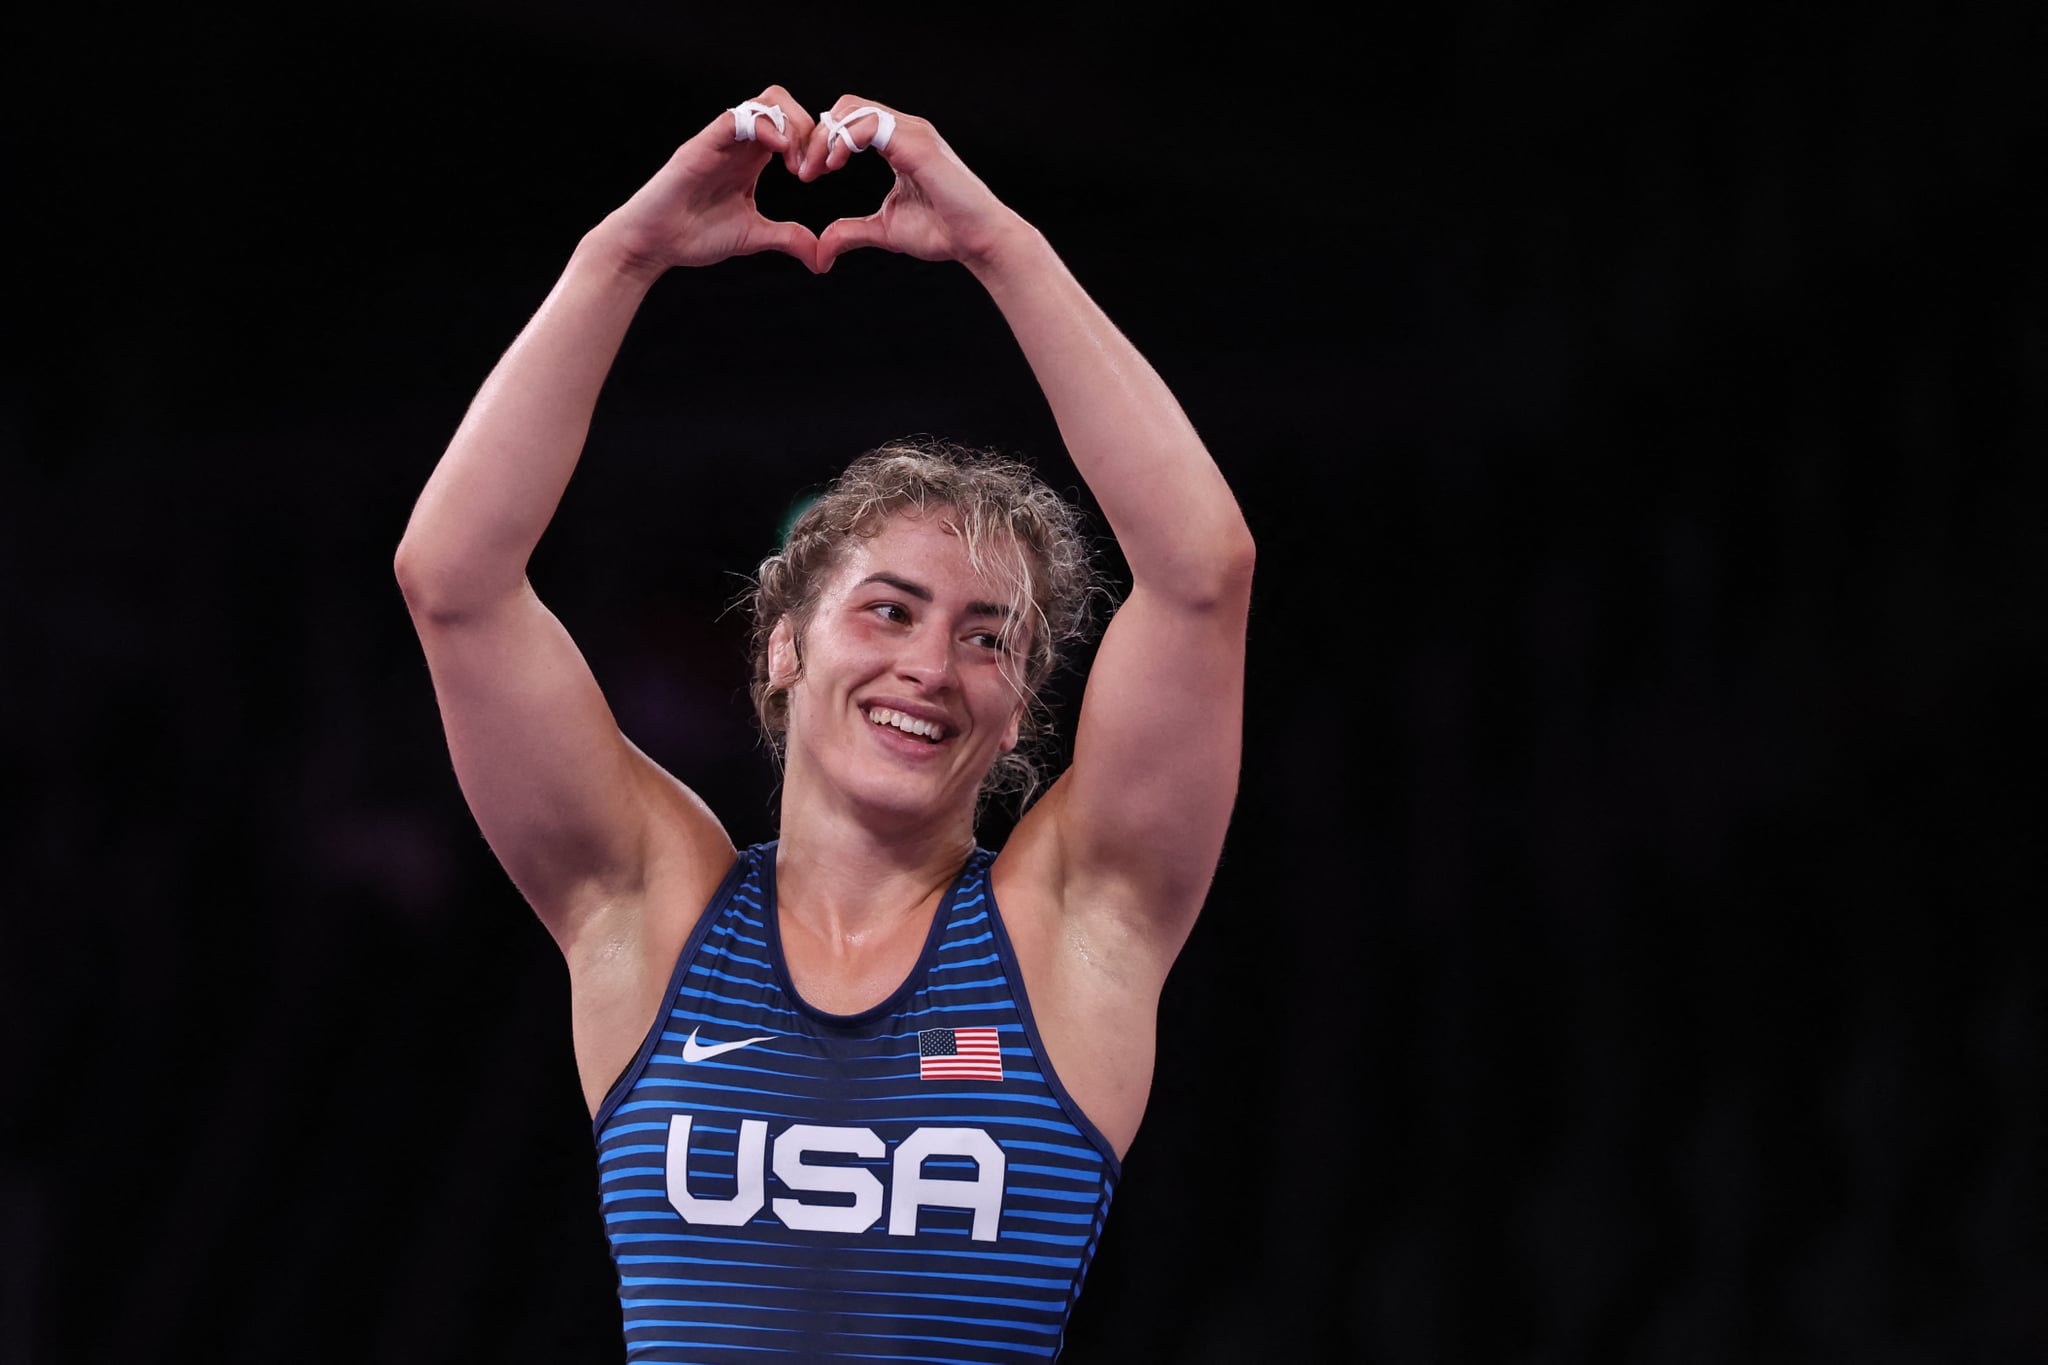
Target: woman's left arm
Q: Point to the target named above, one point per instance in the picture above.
(1138, 820)
(1142, 811)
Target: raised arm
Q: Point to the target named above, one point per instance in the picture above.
(575, 813)
(1142, 811)
(1133, 830)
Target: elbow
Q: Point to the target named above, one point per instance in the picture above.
(1232, 558)
(408, 568)
(1239, 555)
(431, 591)
(447, 584)
(1221, 578)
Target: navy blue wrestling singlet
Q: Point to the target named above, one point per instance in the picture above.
(907, 1183)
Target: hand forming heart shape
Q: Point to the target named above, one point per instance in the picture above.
(700, 208)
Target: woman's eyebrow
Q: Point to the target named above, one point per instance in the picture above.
(902, 585)
(924, 594)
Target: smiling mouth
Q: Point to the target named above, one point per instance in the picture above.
(929, 731)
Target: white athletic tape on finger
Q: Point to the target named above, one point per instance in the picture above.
(885, 128)
(744, 114)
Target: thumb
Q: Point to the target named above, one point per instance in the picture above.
(791, 239)
(850, 234)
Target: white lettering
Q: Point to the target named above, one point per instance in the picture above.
(722, 1213)
(791, 1170)
(981, 1194)
(916, 1190)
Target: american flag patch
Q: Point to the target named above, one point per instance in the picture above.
(959, 1054)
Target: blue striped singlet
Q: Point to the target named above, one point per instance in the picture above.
(907, 1183)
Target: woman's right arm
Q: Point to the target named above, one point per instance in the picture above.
(576, 814)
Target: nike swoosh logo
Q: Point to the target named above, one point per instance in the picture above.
(694, 1051)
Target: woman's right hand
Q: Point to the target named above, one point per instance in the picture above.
(699, 208)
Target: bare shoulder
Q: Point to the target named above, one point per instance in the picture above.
(1093, 967)
(624, 953)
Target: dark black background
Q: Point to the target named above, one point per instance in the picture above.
(1628, 946)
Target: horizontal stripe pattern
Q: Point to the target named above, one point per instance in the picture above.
(758, 1270)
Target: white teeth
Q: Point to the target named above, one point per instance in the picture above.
(910, 725)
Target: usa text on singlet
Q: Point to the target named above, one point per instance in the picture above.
(908, 1182)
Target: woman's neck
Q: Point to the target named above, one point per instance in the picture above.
(847, 882)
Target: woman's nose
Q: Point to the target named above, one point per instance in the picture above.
(927, 659)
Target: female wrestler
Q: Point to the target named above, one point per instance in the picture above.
(863, 1089)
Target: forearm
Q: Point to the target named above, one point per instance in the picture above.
(1176, 521)
(497, 486)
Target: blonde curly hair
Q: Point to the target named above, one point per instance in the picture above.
(1016, 529)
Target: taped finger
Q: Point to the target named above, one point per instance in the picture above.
(746, 111)
(885, 128)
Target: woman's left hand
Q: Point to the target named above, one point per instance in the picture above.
(938, 210)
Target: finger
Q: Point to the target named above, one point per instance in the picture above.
(772, 118)
(854, 125)
(801, 127)
(794, 137)
(850, 234)
(791, 239)
(740, 131)
(811, 162)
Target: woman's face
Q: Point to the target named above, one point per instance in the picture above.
(907, 693)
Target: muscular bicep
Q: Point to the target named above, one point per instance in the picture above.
(1143, 809)
(568, 805)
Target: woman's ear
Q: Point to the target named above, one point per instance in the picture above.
(784, 660)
